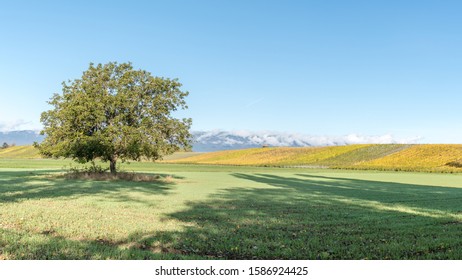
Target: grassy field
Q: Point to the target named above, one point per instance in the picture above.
(29, 152)
(228, 212)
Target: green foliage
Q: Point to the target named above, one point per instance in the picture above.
(92, 168)
(5, 145)
(115, 112)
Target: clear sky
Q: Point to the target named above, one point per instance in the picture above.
(310, 67)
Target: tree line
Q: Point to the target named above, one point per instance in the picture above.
(6, 145)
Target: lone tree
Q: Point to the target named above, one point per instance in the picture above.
(115, 112)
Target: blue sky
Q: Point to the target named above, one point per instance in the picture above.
(309, 67)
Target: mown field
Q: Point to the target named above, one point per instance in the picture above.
(29, 152)
(228, 212)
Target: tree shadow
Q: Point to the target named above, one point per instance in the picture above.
(288, 216)
(428, 197)
(48, 246)
(314, 217)
(28, 185)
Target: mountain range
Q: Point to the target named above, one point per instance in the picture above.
(206, 141)
(215, 140)
(20, 137)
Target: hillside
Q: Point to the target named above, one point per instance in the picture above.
(400, 157)
(431, 157)
(22, 152)
(29, 152)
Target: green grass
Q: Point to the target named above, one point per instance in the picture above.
(30, 152)
(229, 212)
(181, 155)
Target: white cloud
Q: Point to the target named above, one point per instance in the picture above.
(12, 125)
(379, 139)
(254, 102)
(243, 137)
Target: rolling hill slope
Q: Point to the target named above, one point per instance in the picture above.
(431, 157)
(22, 152)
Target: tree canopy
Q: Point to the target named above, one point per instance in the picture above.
(115, 112)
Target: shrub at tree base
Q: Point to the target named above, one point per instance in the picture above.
(120, 176)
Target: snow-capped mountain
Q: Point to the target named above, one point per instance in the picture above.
(207, 141)
(20, 137)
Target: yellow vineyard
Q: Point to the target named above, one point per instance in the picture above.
(270, 156)
(20, 152)
(431, 157)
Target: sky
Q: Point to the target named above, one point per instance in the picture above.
(308, 67)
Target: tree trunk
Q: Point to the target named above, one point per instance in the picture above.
(112, 166)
